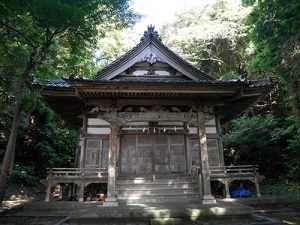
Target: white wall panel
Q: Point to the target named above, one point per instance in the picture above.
(211, 122)
(211, 130)
(96, 121)
(93, 130)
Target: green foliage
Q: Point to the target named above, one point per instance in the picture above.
(267, 141)
(274, 31)
(113, 45)
(61, 34)
(214, 38)
(24, 175)
(280, 187)
(47, 142)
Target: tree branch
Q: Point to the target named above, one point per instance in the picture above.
(20, 34)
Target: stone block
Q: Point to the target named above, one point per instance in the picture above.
(166, 221)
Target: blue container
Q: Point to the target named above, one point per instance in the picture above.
(236, 191)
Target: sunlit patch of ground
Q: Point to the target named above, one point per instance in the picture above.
(7, 205)
(15, 202)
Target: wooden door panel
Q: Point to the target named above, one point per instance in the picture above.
(177, 154)
(104, 153)
(161, 155)
(128, 155)
(195, 155)
(92, 153)
(213, 152)
(144, 155)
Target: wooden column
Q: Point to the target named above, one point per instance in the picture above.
(226, 184)
(48, 192)
(70, 187)
(207, 198)
(60, 192)
(83, 141)
(220, 142)
(258, 194)
(112, 157)
(81, 192)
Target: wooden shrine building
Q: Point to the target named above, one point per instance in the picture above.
(150, 127)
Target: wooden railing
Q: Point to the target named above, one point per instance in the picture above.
(77, 172)
(232, 171)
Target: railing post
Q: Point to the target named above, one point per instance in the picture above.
(227, 192)
(258, 194)
(60, 191)
(48, 192)
(81, 192)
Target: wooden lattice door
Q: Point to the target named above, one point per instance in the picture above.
(152, 154)
(161, 154)
(96, 155)
(177, 154)
(144, 154)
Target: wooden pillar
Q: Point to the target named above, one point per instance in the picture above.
(207, 198)
(60, 192)
(48, 192)
(83, 141)
(70, 187)
(77, 150)
(220, 141)
(81, 192)
(258, 194)
(226, 184)
(112, 157)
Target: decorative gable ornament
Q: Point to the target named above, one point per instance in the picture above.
(150, 32)
(151, 58)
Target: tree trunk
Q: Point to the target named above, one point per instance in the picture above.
(294, 91)
(11, 145)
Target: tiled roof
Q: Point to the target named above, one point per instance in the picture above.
(152, 35)
(51, 83)
(250, 83)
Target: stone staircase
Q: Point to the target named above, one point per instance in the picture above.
(157, 190)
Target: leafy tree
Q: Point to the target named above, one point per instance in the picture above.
(47, 142)
(275, 33)
(113, 45)
(213, 39)
(30, 30)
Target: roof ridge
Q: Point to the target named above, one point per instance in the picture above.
(151, 32)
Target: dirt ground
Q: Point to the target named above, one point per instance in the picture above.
(28, 220)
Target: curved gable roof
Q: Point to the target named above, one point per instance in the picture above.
(151, 41)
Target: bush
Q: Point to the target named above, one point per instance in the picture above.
(281, 187)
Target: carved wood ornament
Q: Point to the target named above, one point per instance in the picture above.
(154, 114)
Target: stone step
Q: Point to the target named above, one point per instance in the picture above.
(141, 190)
(157, 181)
(155, 186)
(159, 199)
(157, 192)
(175, 196)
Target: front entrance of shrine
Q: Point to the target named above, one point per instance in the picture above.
(152, 154)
